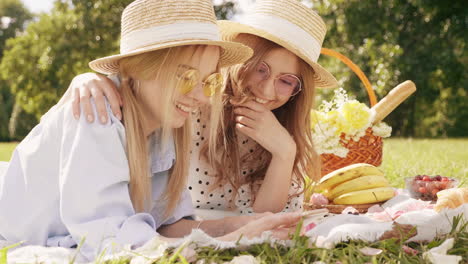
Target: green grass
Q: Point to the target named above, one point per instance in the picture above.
(348, 252)
(409, 157)
(401, 158)
(6, 149)
(345, 253)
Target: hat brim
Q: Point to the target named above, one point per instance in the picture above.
(230, 30)
(231, 53)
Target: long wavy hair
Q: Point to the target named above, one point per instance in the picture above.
(158, 65)
(293, 115)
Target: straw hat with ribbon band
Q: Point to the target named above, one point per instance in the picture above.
(149, 25)
(290, 24)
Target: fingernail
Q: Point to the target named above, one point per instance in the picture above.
(76, 116)
(119, 116)
(90, 118)
(103, 119)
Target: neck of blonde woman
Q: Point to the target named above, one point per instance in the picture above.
(149, 124)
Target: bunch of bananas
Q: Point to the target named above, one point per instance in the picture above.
(360, 183)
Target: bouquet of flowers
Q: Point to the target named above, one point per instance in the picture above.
(341, 120)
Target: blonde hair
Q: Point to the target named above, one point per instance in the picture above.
(294, 116)
(161, 65)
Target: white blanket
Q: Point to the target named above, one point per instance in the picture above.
(429, 223)
(327, 233)
(150, 251)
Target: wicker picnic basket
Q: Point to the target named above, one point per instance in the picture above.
(338, 208)
(369, 148)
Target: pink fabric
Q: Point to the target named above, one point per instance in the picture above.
(318, 199)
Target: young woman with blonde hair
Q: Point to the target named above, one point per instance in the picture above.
(115, 183)
(264, 151)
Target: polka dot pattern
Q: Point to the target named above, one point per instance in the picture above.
(202, 176)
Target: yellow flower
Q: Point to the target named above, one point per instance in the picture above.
(356, 115)
(316, 117)
(335, 119)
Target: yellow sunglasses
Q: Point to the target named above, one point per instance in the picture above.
(189, 78)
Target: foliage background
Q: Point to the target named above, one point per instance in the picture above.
(391, 40)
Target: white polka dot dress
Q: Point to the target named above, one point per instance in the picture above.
(202, 177)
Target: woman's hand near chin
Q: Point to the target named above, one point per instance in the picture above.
(259, 123)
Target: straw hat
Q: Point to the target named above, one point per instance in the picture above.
(149, 25)
(289, 24)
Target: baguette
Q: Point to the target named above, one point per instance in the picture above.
(393, 99)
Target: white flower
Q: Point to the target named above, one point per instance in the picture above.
(382, 130)
(244, 259)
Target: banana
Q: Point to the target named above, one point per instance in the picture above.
(374, 195)
(326, 193)
(348, 173)
(361, 183)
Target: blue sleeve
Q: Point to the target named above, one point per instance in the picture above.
(184, 208)
(95, 202)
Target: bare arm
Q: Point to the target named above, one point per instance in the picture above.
(277, 181)
(214, 228)
(279, 224)
(260, 124)
(91, 85)
(183, 227)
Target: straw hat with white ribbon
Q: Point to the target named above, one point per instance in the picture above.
(149, 25)
(289, 24)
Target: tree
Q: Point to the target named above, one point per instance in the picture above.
(40, 63)
(13, 17)
(395, 40)
(225, 10)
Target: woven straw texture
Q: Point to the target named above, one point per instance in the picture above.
(367, 150)
(143, 15)
(296, 13)
(172, 11)
(338, 208)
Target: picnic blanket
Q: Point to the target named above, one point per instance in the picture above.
(398, 212)
(326, 232)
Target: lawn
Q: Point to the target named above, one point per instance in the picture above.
(409, 157)
(5, 150)
(402, 158)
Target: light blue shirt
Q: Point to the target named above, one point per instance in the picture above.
(68, 181)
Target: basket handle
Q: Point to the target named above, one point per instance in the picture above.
(356, 70)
